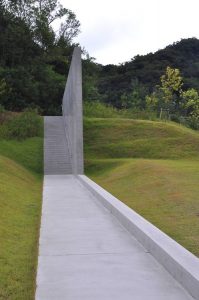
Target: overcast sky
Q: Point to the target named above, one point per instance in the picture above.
(115, 31)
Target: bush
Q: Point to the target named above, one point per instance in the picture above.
(143, 115)
(190, 121)
(24, 125)
(100, 110)
(2, 114)
(5, 115)
(193, 122)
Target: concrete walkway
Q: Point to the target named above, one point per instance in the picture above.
(85, 254)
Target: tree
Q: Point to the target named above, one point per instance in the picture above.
(191, 106)
(90, 69)
(70, 28)
(167, 97)
(39, 16)
(191, 102)
(34, 60)
(124, 101)
(137, 95)
(152, 101)
(171, 86)
(17, 45)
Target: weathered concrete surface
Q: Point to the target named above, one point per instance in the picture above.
(57, 158)
(85, 253)
(72, 113)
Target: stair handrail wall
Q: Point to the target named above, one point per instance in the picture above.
(72, 113)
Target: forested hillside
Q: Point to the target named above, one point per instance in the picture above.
(137, 78)
(35, 58)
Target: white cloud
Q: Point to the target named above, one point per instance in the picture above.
(115, 31)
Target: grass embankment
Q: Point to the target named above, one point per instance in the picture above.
(21, 169)
(153, 167)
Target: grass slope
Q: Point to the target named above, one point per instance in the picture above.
(28, 153)
(122, 138)
(153, 167)
(21, 168)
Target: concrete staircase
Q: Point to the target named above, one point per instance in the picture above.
(57, 159)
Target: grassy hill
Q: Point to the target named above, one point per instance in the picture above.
(125, 138)
(21, 172)
(153, 167)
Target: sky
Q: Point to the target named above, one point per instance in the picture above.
(114, 31)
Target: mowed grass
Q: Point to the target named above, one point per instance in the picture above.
(125, 138)
(28, 153)
(153, 167)
(21, 176)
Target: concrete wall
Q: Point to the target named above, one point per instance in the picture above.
(72, 113)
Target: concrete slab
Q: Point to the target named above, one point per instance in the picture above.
(106, 276)
(79, 237)
(85, 253)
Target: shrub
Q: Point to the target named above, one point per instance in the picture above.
(193, 122)
(99, 110)
(5, 115)
(2, 114)
(25, 125)
(143, 115)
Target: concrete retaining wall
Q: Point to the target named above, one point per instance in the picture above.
(179, 262)
(72, 113)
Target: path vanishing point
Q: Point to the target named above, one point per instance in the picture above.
(92, 246)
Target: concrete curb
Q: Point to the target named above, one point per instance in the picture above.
(178, 261)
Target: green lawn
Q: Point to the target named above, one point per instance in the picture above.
(21, 176)
(28, 153)
(153, 167)
(125, 138)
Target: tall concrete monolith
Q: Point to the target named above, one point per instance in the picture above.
(72, 113)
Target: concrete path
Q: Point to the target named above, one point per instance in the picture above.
(85, 254)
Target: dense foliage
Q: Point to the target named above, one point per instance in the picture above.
(172, 101)
(20, 126)
(165, 83)
(127, 84)
(34, 59)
